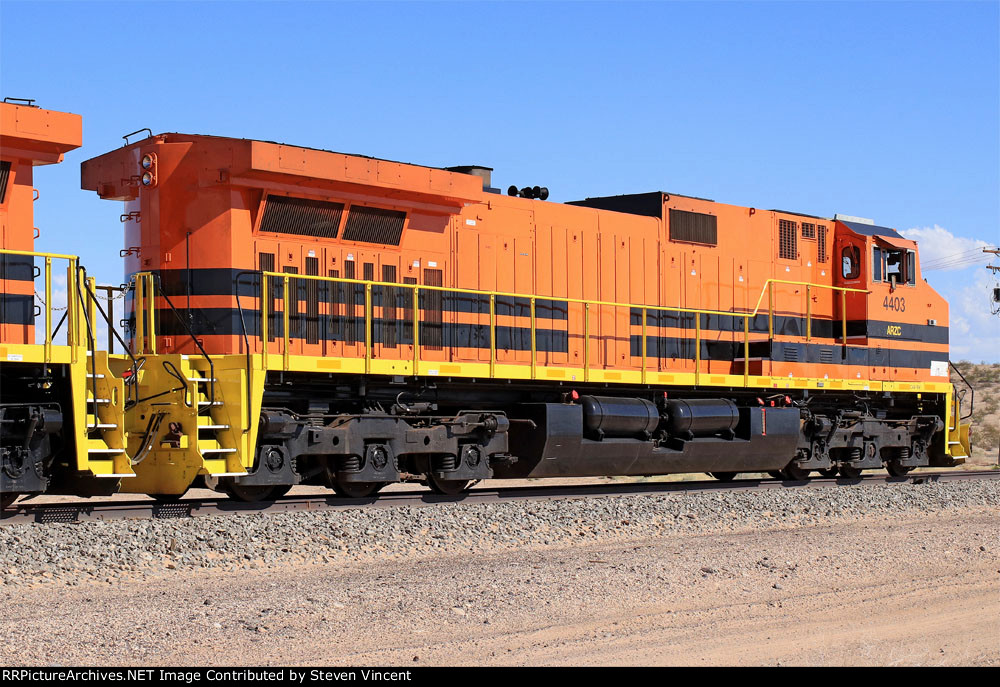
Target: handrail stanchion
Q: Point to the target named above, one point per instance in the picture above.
(139, 308)
(48, 310)
(770, 310)
(91, 295)
(644, 345)
(533, 343)
(746, 350)
(71, 337)
(368, 328)
(286, 321)
(808, 313)
(586, 342)
(263, 318)
(697, 348)
(151, 301)
(416, 330)
(493, 335)
(843, 316)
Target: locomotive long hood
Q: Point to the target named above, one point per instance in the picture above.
(42, 136)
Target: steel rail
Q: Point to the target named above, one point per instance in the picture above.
(26, 512)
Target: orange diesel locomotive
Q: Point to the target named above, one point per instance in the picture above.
(62, 408)
(314, 317)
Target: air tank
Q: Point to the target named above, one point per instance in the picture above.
(619, 417)
(702, 417)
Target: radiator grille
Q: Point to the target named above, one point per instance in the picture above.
(821, 254)
(374, 225)
(808, 230)
(4, 176)
(787, 249)
(694, 227)
(284, 215)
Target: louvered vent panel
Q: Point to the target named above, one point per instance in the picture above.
(826, 355)
(791, 354)
(694, 227)
(787, 235)
(350, 299)
(408, 310)
(374, 225)
(312, 301)
(390, 298)
(4, 176)
(284, 215)
(821, 254)
(336, 306)
(267, 265)
(432, 304)
(808, 230)
(294, 298)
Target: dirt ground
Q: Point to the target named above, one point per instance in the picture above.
(879, 591)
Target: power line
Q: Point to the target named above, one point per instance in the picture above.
(944, 258)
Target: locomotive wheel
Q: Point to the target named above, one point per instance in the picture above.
(896, 470)
(356, 490)
(256, 492)
(446, 487)
(7, 498)
(848, 472)
(828, 472)
(794, 473)
(723, 476)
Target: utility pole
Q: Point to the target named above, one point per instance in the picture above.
(994, 251)
(996, 298)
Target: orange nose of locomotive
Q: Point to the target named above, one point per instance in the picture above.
(29, 136)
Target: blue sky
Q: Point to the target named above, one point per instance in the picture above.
(884, 110)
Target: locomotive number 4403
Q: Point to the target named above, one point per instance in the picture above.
(897, 303)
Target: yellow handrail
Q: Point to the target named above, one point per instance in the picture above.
(768, 288)
(73, 338)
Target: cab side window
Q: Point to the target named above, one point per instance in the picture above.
(899, 267)
(877, 264)
(850, 259)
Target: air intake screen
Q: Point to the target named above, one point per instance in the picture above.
(808, 230)
(302, 216)
(787, 250)
(694, 227)
(821, 254)
(374, 225)
(4, 176)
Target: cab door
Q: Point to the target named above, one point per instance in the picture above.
(851, 270)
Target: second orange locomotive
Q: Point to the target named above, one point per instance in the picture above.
(342, 319)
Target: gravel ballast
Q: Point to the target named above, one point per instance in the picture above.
(107, 552)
